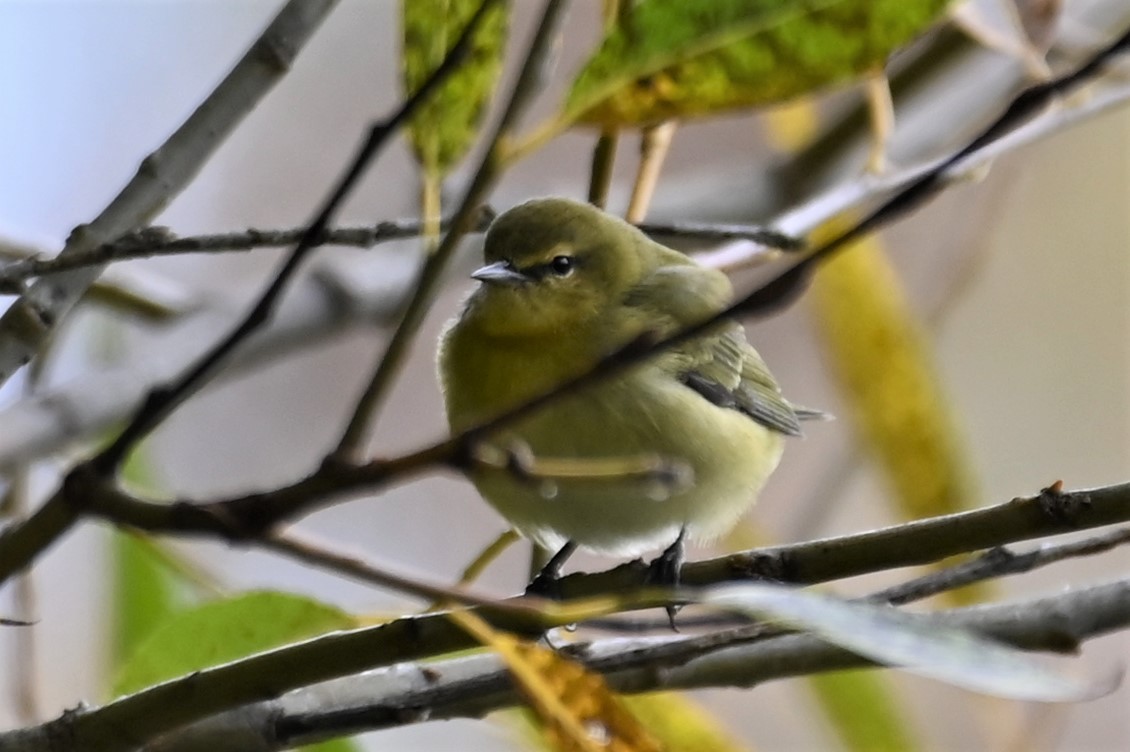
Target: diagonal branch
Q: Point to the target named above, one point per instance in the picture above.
(162, 401)
(162, 175)
(533, 68)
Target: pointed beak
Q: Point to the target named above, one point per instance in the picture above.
(500, 272)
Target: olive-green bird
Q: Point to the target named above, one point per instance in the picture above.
(564, 285)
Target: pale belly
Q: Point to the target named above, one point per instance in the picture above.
(729, 456)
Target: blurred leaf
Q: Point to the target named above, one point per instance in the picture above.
(863, 710)
(444, 127)
(333, 745)
(574, 707)
(680, 724)
(223, 631)
(792, 126)
(669, 59)
(918, 643)
(882, 362)
(145, 593)
(146, 590)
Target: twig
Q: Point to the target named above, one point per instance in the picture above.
(603, 162)
(351, 445)
(999, 562)
(159, 241)
(162, 401)
(487, 556)
(163, 174)
(655, 140)
(709, 231)
(992, 564)
(864, 190)
(304, 547)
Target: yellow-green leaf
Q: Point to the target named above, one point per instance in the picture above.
(669, 59)
(879, 356)
(877, 351)
(223, 631)
(145, 593)
(863, 711)
(680, 724)
(445, 126)
(572, 707)
(146, 589)
(333, 745)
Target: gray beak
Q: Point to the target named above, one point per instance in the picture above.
(501, 273)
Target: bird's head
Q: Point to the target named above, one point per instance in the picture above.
(554, 264)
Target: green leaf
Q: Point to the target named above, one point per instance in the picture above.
(223, 631)
(145, 593)
(864, 711)
(146, 590)
(676, 59)
(918, 643)
(445, 126)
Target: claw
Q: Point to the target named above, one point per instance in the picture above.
(665, 571)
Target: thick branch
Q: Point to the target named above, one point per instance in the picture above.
(473, 686)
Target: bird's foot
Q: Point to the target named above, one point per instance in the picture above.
(545, 585)
(547, 582)
(666, 571)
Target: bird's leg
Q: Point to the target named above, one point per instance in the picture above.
(545, 583)
(665, 570)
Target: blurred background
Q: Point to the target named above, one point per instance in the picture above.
(1023, 274)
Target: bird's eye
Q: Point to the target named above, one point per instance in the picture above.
(562, 265)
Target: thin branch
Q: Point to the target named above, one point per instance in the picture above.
(714, 231)
(352, 443)
(152, 242)
(160, 241)
(306, 548)
(162, 401)
(603, 164)
(992, 564)
(655, 141)
(999, 562)
(866, 189)
(163, 174)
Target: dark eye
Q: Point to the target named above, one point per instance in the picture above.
(562, 265)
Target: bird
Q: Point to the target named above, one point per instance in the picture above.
(564, 284)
